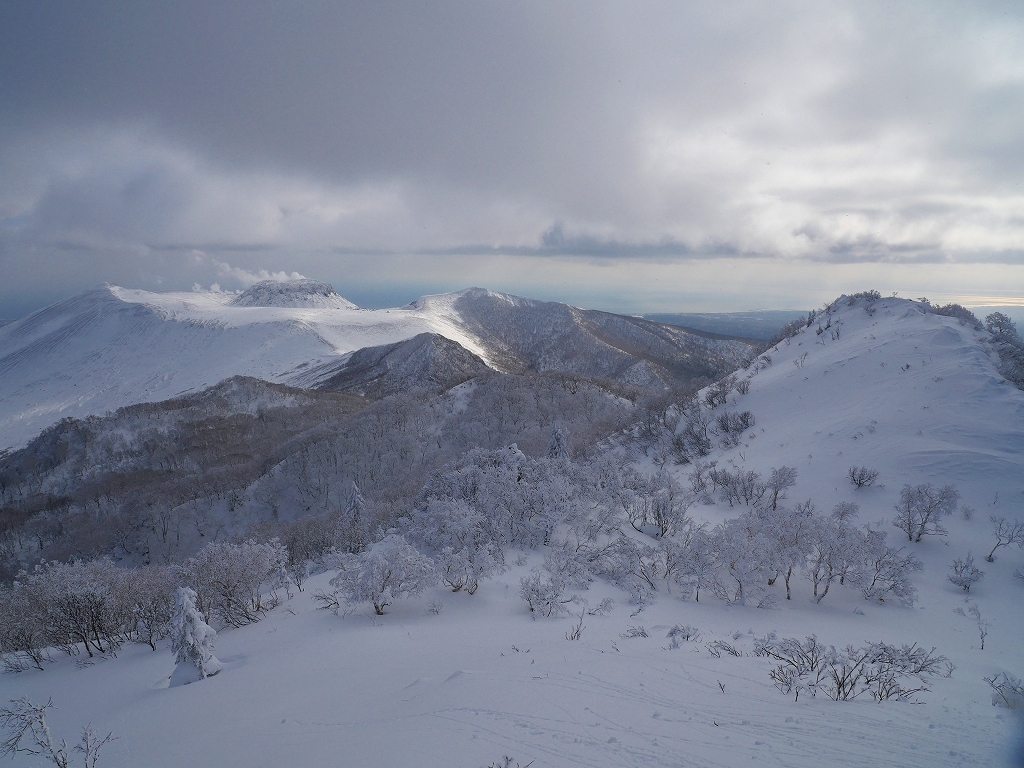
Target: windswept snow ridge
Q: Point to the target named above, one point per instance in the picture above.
(114, 346)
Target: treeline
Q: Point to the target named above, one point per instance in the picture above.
(95, 607)
(152, 483)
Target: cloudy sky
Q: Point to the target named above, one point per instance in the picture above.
(627, 156)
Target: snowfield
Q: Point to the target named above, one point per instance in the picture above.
(306, 688)
(914, 395)
(115, 346)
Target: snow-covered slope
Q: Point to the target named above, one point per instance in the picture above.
(115, 346)
(913, 395)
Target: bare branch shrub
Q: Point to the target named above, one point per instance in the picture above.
(862, 477)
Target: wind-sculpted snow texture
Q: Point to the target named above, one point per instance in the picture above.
(115, 346)
(447, 678)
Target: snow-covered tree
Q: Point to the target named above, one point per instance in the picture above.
(464, 540)
(29, 733)
(965, 573)
(790, 535)
(354, 520)
(836, 553)
(1001, 326)
(1007, 532)
(150, 595)
(558, 446)
(886, 571)
(845, 511)
(80, 603)
(229, 579)
(391, 569)
(192, 641)
(544, 593)
(744, 554)
(780, 480)
(630, 565)
(922, 507)
(692, 562)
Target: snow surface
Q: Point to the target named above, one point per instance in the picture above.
(914, 395)
(115, 346)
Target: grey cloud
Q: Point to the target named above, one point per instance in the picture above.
(328, 138)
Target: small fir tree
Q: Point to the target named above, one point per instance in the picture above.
(192, 641)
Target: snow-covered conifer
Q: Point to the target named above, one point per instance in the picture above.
(558, 446)
(192, 641)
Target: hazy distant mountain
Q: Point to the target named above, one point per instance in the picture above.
(759, 324)
(113, 346)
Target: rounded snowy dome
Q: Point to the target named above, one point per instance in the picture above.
(293, 293)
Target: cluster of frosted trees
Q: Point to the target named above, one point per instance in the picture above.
(605, 520)
(152, 483)
(741, 558)
(95, 607)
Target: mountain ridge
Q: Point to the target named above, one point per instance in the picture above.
(113, 346)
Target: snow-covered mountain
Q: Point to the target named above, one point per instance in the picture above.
(115, 346)
(451, 678)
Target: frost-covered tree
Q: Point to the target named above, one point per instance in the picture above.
(558, 446)
(464, 540)
(739, 487)
(24, 635)
(1007, 532)
(391, 569)
(886, 572)
(921, 508)
(150, 596)
(780, 480)
(845, 511)
(655, 504)
(192, 641)
(229, 579)
(790, 535)
(80, 603)
(29, 733)
(569, 567)
(1001, 326)
(354, 520)
(744, 554)
(836, 554)
(964, 573)
(692, 562)
(544, 593)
